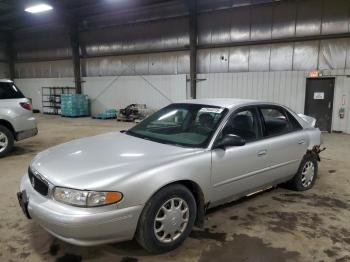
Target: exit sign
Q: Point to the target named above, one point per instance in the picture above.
(314, 73)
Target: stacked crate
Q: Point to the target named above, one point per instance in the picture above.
(74, 105)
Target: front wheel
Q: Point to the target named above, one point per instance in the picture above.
(167, 219)
(306, 176)
(6, 141)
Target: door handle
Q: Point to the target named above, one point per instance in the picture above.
(301, 142)
(262, 152)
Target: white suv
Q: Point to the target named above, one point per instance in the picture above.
(16, 117)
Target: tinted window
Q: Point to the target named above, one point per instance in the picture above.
(9, 91)
(293, 122)
(244, 124)
(189, 125)
(276, 122)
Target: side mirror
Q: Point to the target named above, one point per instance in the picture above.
(230, 140)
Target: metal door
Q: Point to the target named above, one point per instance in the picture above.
(319, 101)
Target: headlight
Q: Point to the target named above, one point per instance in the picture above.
(86, 198)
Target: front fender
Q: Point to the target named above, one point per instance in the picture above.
(139, 188)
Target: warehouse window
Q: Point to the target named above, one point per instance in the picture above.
(9, 91)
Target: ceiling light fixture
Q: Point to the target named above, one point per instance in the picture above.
(38, 8)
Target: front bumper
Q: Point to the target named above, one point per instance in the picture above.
(81, 226)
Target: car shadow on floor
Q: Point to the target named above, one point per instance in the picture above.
(28, 149)
(54, 249)
(50, 248)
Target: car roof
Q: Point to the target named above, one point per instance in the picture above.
(5, 81)
(221, 102)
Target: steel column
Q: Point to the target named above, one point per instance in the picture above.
(10, 56)
(76, 58)
(193, 46)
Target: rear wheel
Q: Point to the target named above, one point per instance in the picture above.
(6, 141)
(167, 219)
(306, 175)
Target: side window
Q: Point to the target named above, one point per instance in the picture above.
(276, 122)
(244, 124)
(293, 122)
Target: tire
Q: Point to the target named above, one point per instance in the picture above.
(306, 176)
(6, 141)
(146, 234)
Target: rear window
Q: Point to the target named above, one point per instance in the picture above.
(9, 91)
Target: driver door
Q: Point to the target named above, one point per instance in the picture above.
(240, 170)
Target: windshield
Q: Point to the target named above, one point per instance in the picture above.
(8, 90)
(190, 125)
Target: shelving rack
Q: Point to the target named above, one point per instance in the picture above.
(51, 98)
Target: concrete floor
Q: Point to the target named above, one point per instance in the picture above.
(278, 225)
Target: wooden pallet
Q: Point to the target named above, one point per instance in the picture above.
(103, 118)
(73, 116)
(125, 120)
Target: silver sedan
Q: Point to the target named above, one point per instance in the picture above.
(156, 180)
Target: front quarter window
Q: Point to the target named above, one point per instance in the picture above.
(189, 125)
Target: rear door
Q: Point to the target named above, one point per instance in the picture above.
(287, 140)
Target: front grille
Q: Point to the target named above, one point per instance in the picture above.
(38, 183)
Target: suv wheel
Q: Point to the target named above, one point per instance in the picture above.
(306, 176)
(6, 141)
(167, 219)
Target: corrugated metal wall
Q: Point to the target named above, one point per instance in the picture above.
(286, 19)
(325, 54)
(42, 47)
(341, 95)
(112, 92)
(152, 36)
(261, 51)
(285, 87)
(4, 70)
(238, 29)
(3, 54)
(118, 92)
(45, 69)
(167, 63)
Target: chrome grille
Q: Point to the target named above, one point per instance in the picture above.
(40, 185)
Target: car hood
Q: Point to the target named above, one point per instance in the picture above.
(98, 162)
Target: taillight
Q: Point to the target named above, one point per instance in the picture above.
(26, 105)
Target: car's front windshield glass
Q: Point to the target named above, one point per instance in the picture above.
(189, 125)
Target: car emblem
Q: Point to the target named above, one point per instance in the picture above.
(33, 182)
